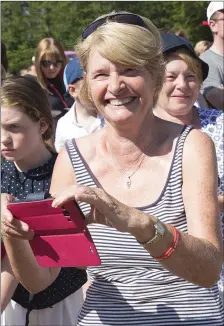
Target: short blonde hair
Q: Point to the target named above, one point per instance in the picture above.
(48, 47)
(193, 63)
(129, 45)
(201, 47)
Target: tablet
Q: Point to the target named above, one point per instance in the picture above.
(61, 236)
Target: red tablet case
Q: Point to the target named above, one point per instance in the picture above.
(61, 236)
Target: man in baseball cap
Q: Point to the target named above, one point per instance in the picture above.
(82, 118)
(72, 73)
(213, 7)
(213, 85)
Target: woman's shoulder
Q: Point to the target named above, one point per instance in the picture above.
(198, 144)
(87, 145)
(187, 135)
(171, 130)
(63, 174)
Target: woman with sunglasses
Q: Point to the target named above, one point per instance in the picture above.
(50, 62)
(143, 183)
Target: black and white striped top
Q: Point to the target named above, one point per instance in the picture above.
(132, 288)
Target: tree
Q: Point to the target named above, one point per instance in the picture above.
(25, 23)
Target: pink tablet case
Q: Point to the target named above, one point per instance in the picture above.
(61, 237)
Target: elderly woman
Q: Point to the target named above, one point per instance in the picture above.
(142, 182)
(184, 75)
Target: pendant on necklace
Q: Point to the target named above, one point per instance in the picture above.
(128, 183)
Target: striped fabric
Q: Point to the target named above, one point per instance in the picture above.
(130, 287)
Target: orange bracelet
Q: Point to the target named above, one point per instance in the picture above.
(168, 253)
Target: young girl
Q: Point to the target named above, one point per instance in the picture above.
(27, 165)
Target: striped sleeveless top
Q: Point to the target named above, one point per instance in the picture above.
(132, 288)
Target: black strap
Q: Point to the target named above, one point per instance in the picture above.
(27, 316)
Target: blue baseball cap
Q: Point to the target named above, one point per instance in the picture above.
(72, 72)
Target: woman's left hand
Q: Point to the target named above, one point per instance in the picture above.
(105, 208)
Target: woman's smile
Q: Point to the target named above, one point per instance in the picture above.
(121, 101)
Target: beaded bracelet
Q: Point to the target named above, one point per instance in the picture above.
(168, 253)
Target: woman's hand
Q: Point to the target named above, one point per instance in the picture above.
(10, 226)
(105, 208)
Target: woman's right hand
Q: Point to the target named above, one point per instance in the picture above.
(10, 226)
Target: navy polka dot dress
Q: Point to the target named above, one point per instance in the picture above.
(19, 184)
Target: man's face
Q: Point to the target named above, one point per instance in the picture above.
(217, 24)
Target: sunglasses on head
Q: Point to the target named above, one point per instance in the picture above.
(48, 63)
(130, 19)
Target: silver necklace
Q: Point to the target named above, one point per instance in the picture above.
(128, 181)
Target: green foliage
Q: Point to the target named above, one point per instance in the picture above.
(25, 23)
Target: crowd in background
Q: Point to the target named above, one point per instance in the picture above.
(59, 106)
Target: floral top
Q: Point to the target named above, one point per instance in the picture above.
(212, 123)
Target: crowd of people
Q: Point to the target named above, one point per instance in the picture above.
(132, 129)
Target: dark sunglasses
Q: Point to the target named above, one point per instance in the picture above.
(48, 63)
(130, 19)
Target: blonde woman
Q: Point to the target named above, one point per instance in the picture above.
(201, 47)
(143, 182)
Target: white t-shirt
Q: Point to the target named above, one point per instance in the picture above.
(68, 128)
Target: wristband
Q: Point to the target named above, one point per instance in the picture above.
(170, 251)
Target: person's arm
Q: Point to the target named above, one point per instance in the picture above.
(24, 265)
(8, 283)
(212, 87)
(215, 96)
(22, 260)
(202, 245)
